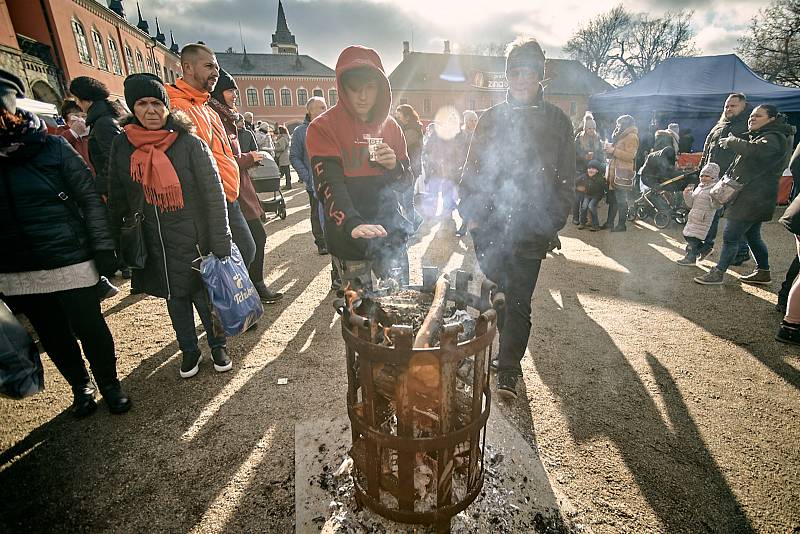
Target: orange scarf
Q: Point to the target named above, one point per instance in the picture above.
(151, 167)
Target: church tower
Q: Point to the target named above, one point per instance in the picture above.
(282, 40)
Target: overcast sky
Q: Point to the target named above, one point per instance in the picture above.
(323, 27)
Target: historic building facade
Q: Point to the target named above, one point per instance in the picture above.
(47, 43)
(275, 87)
(430, 82)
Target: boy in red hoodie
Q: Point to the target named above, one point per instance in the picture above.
(365, 227)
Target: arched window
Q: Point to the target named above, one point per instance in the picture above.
(318, 92)
(139, 61)
(166, 74)
(302, 97)
(113, 51)
(286, 97)
(129, 60)
(149, 65)
(157, 69)
(333, 97)
(99, 50)
(252, 97)
(80, 41)
(269, 97)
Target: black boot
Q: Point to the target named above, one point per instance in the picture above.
(116, 399)
(83, 403)
(266, 295)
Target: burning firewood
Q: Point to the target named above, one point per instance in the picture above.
(433, 321)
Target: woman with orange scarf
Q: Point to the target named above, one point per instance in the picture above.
(167, 175)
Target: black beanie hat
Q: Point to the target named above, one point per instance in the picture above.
(224, 83)
(142, 85)
(529, 55)
(11, 88)
(87, 88)
(594, 164)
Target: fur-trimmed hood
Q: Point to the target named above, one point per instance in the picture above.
(177, 120)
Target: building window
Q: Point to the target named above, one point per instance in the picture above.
(80, 41)
(166, 74)
(426, 106)
(573, 108)
(286, 97)
(171, 76)
(157, 70)
(129, 60)
(99, 50)
(473, 104)
(252, 97)
(302, 97)
(333, 97)
(318, 92)
(113, 51)
(269, 97)
(149, 65)
(139, 62)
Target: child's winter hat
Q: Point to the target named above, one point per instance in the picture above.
(711, 169)
(594, 164)
(588, 121)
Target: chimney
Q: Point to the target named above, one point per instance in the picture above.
(406, 50)
(447, 47)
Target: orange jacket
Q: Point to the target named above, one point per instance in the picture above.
(209, 126)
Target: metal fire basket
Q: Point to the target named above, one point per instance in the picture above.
(418, 415)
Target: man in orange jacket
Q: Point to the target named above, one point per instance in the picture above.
(190, 94)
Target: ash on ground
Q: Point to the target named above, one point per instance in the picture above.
(507, 503)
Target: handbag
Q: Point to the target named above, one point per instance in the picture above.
(624, 178)
(21, 371)
(724, 191)
(132, 248)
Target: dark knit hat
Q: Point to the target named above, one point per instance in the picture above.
(11, 88)
(527, 54)
(224, 83)
(87, 88)
(594, 164)
(142, 85)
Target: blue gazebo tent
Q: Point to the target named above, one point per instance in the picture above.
(692, 91)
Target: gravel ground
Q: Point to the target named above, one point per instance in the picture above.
(656, 405)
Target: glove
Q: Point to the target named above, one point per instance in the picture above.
(106, 262)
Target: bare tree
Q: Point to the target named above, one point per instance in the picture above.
(593, 43)
(773, 47)
(622, 47)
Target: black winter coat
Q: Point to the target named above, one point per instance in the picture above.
(103, 119)
(172, 238)
(760, 161)
(519, 176)
(39, 230)
(714, 153)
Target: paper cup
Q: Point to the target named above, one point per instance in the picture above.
(373, 146)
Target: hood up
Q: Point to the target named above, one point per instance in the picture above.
(354, 57)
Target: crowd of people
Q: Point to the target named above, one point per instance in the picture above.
(176, 167)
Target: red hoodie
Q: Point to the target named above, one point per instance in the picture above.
(354, 190)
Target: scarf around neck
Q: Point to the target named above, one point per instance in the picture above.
(225, 113)
(151, 167)
(26, 130)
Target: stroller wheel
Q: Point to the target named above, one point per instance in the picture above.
(642, 212)
(632, 215)
(661, 219)
(281, 210)
(680, 219)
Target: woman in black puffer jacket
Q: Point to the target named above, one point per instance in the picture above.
(159, 169)
(55, 239)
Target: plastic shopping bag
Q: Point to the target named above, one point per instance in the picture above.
(234, 300)
(21, 372)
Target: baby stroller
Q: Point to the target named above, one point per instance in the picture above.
(662, 200)
(266, 178)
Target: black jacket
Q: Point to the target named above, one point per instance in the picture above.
(172, 238)
(761, 158)
(39, 230)
(714, 153)
(103, 120)
(519, 175)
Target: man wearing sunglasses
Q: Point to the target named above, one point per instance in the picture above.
(516, 194)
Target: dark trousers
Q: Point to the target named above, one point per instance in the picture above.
(256, 268)
(791, 274)
(742, 253)
(576, 207)
(737, 231)
(285, 171)
(611, 199)
(516, 276)
(61, 319)
(694, 247)
(182, 317)
(241, 233)
(316, 226)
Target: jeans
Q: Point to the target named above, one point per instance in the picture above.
(448, 189)
(61, 319)
(316, 225)
(694, 247)
(241, 233)
(622, 196)
(182, 317)
(590, 204)
(742, 253)
(256, 268)
(734, 233)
